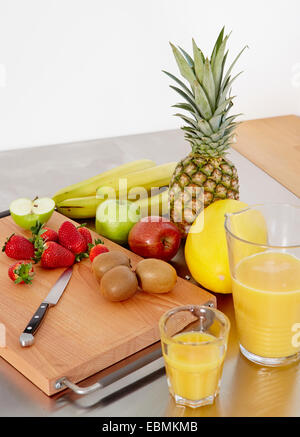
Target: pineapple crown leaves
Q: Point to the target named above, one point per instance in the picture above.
(206, 97)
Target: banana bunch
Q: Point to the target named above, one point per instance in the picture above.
(134, 180)
(89, 186)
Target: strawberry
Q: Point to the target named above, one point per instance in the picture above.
(85, 233)
(49, 234)
(54, 255)
(21, 272)
(71, 239)
(96, 249)
(18, 247)
(46, 233)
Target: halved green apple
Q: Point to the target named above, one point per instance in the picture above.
(27, 212)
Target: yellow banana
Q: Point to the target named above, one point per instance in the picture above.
(85, 207)
(89, 186)
(138, 182)
(159, 176)
(154, 205)
(80, 207)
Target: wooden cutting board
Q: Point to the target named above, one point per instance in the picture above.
(273, 144)
(83, 333)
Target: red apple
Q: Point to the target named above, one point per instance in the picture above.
(155, 237)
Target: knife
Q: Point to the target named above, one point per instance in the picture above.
(27, 337)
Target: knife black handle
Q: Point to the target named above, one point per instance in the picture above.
(4, 213)
(27, 337)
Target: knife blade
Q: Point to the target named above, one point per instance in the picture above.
(27, 336)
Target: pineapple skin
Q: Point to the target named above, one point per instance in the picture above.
(218, 178)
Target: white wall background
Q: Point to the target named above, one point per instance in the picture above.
(81, 69)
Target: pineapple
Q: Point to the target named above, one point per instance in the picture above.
(210, 131)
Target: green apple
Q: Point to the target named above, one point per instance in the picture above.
(115, 218)
(27, 212)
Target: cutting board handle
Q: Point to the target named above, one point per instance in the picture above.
(119, 379)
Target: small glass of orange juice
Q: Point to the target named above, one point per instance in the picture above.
(264, 257)
(194, 343)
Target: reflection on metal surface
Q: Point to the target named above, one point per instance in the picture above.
(113, 383)
(247, 389)
(265, 391)
(251, 391)
(96, 398)
(174, 410)
(118, 380)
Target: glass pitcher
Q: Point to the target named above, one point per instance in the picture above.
(264, 257)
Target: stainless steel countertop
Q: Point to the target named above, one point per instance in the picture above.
(246, 389)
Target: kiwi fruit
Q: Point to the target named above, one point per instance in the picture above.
(119, 283)
(155, 275)
(106, 261)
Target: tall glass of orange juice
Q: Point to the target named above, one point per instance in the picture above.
(264, 257)
(194, 342)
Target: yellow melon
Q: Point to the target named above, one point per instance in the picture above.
(206, 248)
